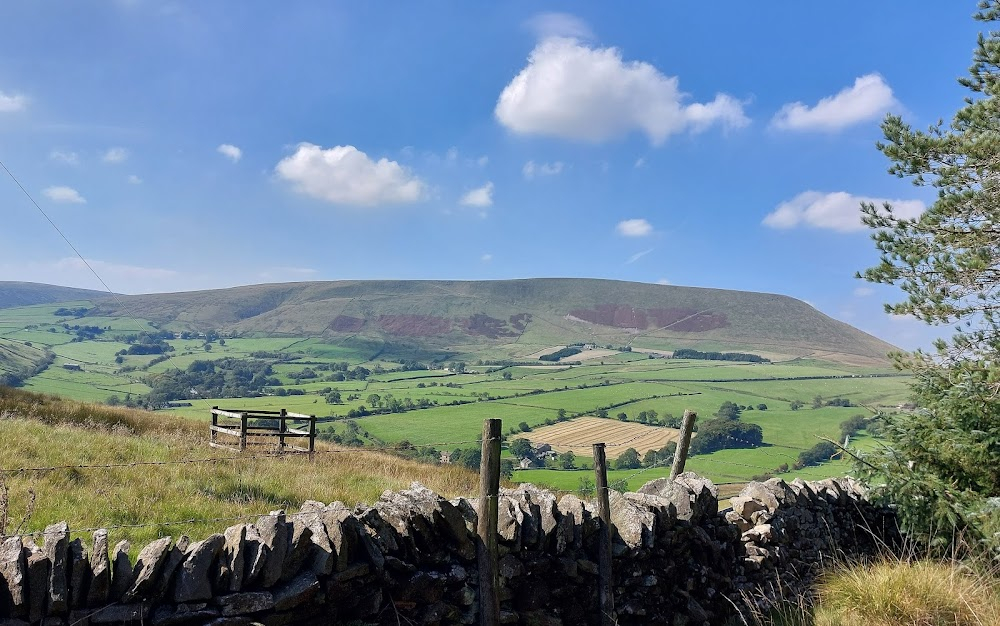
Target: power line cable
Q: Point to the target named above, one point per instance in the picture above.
(70, 244)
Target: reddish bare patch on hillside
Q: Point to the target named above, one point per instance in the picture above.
(665, 317)
(520, 321)
(486, 326)
(414, 325)
(346, 324)
(702, 322)
(679, 319)
(617, 315)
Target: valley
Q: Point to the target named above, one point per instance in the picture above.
(424, 382)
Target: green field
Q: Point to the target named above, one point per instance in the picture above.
(626, 382)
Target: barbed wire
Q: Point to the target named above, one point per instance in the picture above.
(183, 522)
(274, 454)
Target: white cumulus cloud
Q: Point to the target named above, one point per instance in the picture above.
(870, 97)
(230, 151)
(572, 91)
(345, 175)
(838, 211)
(480, 196)
(12, 102)
(532, 169)
(63, 194)
(634, 228)
(115, 155)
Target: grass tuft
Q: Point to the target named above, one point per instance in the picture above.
(919, 593)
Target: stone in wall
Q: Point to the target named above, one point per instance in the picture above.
(411, 558)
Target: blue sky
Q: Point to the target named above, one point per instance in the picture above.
(188, 145)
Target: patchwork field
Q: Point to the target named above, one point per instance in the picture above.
(418, 397)
(579, 435)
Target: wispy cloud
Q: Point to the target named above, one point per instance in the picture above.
(115, 155)
(63, 195)
(638, 255)
(532, 169)
(546, 25)
(65, 156)
(486, 258)
(12, 102)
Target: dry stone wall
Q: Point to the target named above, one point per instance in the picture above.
(411, 558)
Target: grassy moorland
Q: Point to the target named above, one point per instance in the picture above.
(51, 432)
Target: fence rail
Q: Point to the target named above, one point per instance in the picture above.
(268, 425)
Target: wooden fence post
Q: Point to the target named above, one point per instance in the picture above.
(215, 422)
(243, 432)
(606, 595)
(489, 512)
(312, 438)
(281, 431)
(681, 454)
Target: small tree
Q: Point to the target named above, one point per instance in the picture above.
(628, 460)
(567, 460)
(521, 448)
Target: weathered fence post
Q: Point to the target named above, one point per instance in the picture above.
(281, 430)
(312, 438)
(605, 587)
(489, 512)
(243, 432)
(681, 454)
(215, 422)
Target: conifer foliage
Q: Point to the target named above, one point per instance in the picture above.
(942, 465)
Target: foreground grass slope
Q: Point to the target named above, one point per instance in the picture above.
(41, 431)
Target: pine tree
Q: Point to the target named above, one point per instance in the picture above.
(942, 467)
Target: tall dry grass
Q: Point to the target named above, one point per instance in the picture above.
(894, 591)
(921, 593)
(41, 431)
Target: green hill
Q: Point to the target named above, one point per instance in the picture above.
(13, 294)
(513, 318)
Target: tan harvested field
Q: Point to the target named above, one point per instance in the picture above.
(588, 355)
(543, 352)
(580, 434)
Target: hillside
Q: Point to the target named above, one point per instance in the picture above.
(135, 476)
(14, 294)
(514, 318)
